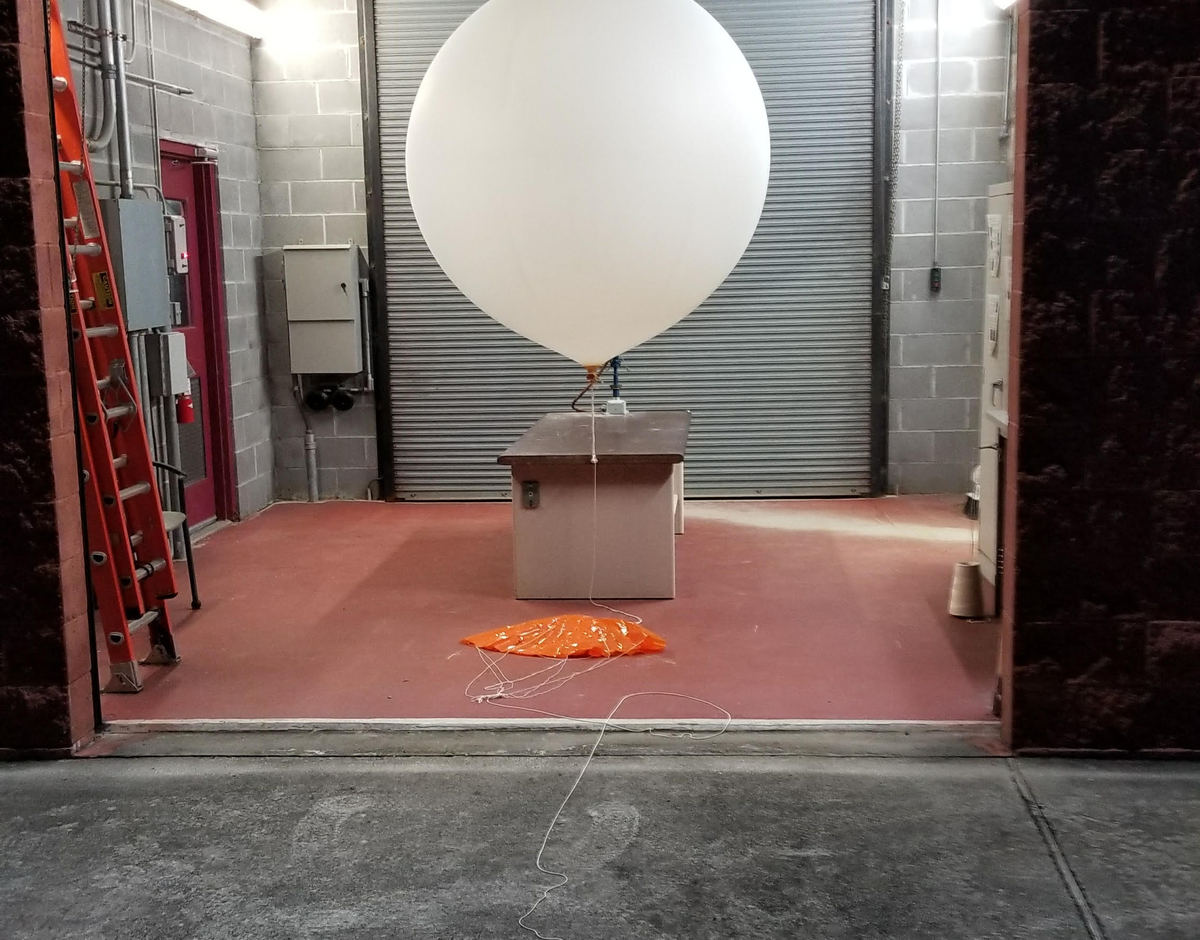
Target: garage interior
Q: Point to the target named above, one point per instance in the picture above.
(849, 384)
(780, 371)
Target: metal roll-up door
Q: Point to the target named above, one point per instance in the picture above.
(775, 366)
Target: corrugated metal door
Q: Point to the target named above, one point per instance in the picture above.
(775, 366)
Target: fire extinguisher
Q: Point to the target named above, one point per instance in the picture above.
(185, 412)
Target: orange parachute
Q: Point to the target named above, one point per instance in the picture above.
(568, 636)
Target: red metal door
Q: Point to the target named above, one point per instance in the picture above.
(198, 444)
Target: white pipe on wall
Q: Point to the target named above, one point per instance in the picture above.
(937, 123)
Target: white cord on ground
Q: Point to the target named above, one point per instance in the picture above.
(564, 880)
(504, 687)
(554, 676)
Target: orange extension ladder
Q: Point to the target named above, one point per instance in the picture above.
(128, 550)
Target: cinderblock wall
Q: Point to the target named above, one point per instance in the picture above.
(936, 339)
(214, 62)
(309, 110)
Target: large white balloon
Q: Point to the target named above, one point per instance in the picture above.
(588, 171)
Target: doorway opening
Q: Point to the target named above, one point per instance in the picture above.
(790, 609)
(196, 279)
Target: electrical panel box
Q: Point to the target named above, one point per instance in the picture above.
(178, 371)
(177, 246)
(324, 308)
(993, 422)
(135, 240)
(167, 370)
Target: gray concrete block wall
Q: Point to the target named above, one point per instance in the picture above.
(936, 338)
(215, 63)
(309, 122)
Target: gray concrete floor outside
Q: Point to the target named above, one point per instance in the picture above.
(763, 835)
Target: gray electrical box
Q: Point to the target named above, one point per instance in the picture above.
(134, 228)
(167, 369)
(177, 249)
(993, 421)
(324, 308)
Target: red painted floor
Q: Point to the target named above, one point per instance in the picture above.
(805, 609)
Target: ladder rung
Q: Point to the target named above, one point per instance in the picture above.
(86, 250)
(145, 569)
(104, 384)
(134, 489)
(86, 303)
(60, 84)
(143, 621)
(74, 167)
(120, 411)
(120, 460)
(136, 539)
(110, 329)
(72, 223)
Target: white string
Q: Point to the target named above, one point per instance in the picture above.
(554, 676)
(504, 687)
(498, 702)
(633, 618)
(564, 880)
(592, 400)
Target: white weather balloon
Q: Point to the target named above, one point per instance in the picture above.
(587, 172)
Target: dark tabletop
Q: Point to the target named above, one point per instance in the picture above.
(640, 437)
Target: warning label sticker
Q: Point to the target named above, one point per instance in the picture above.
(104, 291)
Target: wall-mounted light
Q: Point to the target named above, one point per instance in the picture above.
(240, 15)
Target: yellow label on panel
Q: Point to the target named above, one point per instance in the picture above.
(104, 291)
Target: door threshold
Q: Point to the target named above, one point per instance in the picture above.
(202, 530)
(708, 725)
(424, 737)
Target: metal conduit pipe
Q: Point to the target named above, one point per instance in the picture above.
(1008, 55)
(87, 58)
(137, 344)
(131, 54)
(937, 125)
(310, 444)
(124, 141)
(144, 187)
(161, 448)
(310, 465)
(108, 79)
(175, 452)
(169, 87)
(154, 125)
